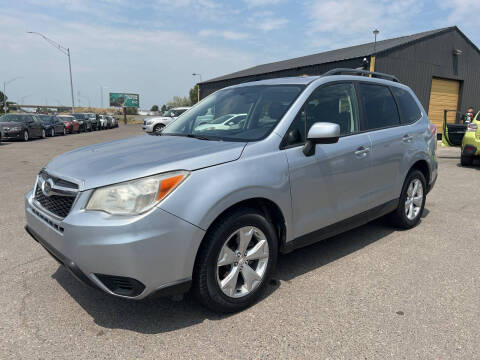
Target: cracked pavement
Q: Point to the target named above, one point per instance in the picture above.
(373, 292)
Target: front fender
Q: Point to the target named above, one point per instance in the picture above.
(208, 192)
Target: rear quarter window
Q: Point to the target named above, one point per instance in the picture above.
(409, 110)
(380, 109)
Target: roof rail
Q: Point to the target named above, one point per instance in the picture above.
(346, 71)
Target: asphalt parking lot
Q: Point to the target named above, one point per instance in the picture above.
(371, 293)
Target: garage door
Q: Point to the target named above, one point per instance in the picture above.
(443, 96)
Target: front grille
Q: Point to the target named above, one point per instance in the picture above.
(60, 182)
(57, 205)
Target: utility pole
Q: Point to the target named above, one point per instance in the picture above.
(65, 51)
(5, 83)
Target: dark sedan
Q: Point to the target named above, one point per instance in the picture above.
(84, 121)
(53, 125)
(21, 127)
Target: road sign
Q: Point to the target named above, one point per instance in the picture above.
(124, 100)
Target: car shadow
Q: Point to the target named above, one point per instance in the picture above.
(153, 316)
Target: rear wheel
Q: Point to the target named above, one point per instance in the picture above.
(236, 260)
(64, 131)
(411, 202)
(466, 160)
(52, 132)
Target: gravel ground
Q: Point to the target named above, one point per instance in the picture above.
(371, 293)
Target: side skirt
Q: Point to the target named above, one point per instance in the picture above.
(340, 227)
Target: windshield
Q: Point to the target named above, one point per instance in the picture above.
(174, 112)
(45, 118)
(257, 108)
(65, 118)
(15, 118)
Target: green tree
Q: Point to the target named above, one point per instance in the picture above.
(193, 94)
(178, 101)
(154, 108)
(164, 108)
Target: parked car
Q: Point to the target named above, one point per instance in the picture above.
(83, 121)
(157, 123)
(52, 125)
(225, 122)
(471, 142)
(102, 121)
(22, 127)
(71, 124)
(114, 121)
(93, 121)
(210, 210)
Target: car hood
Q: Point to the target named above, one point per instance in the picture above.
(139, 156)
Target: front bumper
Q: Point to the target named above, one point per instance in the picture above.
(156, 249)
(12, 135)
(148, 128)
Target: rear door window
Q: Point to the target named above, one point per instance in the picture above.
(409, 110)
(380, 109)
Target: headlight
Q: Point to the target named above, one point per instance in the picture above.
(136, 196)
(149, 122)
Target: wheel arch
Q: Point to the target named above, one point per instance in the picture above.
(423, 167)
(269, 208)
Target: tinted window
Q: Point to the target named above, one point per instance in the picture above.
(380, 107)
(409, 111)
(335, 103)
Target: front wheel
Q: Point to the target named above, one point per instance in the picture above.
(157, 129)
(64, 131)
(466, 160)
(25, 136)
(52, 132)
(235, 262)
(44, 134)
(411, 202)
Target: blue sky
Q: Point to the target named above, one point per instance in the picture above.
(153, 47)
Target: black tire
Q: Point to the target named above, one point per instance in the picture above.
(64, 132)
(157, 129)
(52, 132)
(466, 160)
(398, 217)
(26, 136)
(44, 134)
(205, 286)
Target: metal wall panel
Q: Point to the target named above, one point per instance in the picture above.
(417, 64)
(208, 88)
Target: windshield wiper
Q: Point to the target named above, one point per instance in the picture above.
(200, 137)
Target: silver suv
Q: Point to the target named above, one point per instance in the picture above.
(210, 208)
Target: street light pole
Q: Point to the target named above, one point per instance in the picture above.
(65, 51)
(5, 83)
(198, 89)
(375, 33)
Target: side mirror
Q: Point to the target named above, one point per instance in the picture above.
(321, 133)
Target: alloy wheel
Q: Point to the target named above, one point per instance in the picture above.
(25, 135)
(44, 135)
(413, 203)
(242, 262)
(52, 133)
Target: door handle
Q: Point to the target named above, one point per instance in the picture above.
(362, 151)
(407, 138)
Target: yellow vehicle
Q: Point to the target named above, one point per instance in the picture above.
(471, 142)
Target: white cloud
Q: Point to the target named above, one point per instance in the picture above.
(255, 3)
(354, 20)
(156, 63)
(228, 35)
(266, 21)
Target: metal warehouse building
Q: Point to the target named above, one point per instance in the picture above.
(442, 67)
